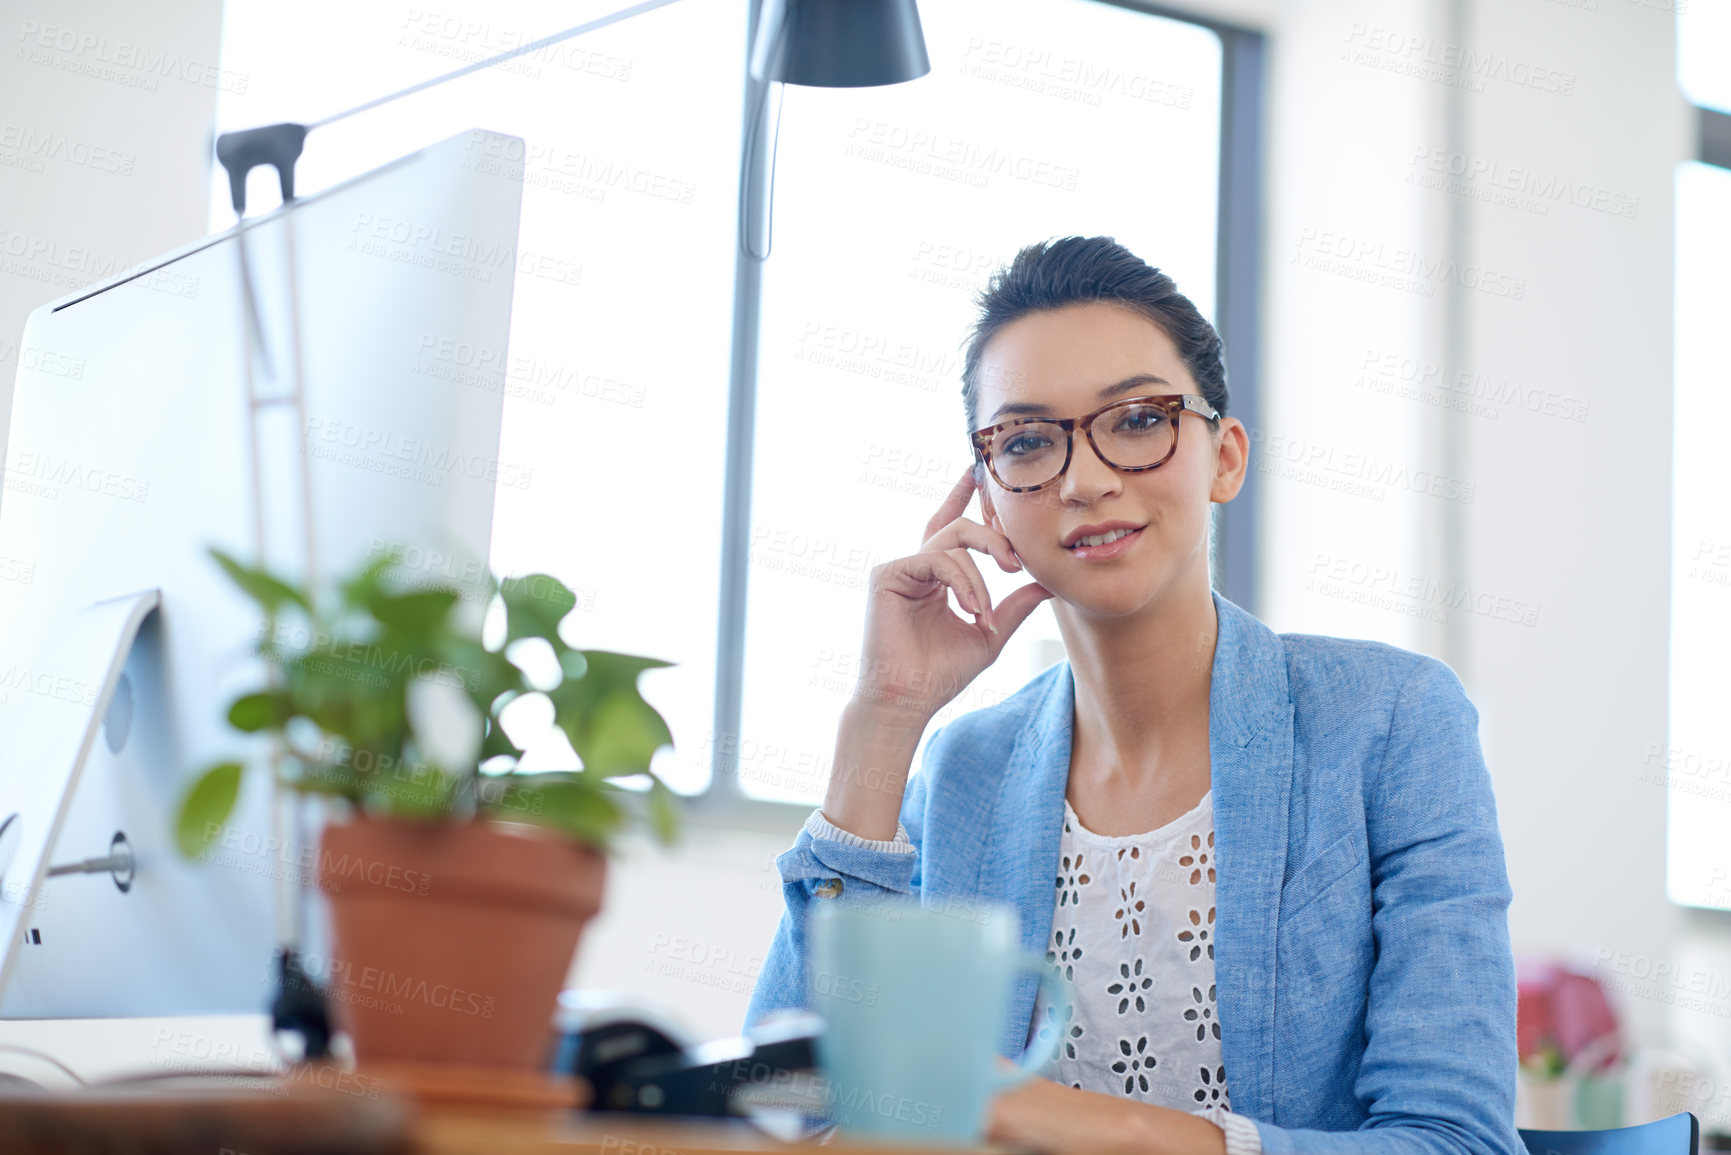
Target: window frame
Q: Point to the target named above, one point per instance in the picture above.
(1713, 137)
(1238, 318)
(1712, 147)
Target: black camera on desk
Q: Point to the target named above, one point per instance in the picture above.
(635, 1063)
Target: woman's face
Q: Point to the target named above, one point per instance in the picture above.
(1067, 361)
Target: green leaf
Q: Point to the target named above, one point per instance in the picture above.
(263, 711)
(497, 742)
(621, 735)
(663, 812)
(535, 605)
(411, 792)
(331, 779)
(346, 682)
(416, 612)
(486, 674)
(609, 724)
(270, 592)
(206, 808)
(331, 675)
(358, 591)
(575, 805)
(605, 673)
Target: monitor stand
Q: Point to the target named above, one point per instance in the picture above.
(85, 660)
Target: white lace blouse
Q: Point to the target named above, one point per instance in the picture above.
(1133, 941)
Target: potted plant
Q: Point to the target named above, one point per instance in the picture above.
(458, 884)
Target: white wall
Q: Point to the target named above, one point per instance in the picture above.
(1567, 521)
(105, 115)
(104, 161)
(1563, 543)
(1575, 516)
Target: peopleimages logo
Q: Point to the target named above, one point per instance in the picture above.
(1466, 389)
(878, 355)
(74, 266)
(44, 476)
(863, 1100)
(578, 169)
(459, 38)
(1290, 456)
(882, 140)
(53, 364)
(253, 853)
(39, 146)
(1067, 77)
(1520, 187)
(411, 457)
(1455, 64)
(1385, 587)
(51, 254)
(88, 53)
(1368, 259)
(1692, 988)
(461, 254)
(60, 687)
(346, 978)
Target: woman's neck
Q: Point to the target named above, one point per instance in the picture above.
(1142, 682)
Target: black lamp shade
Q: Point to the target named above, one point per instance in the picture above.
(853, 43)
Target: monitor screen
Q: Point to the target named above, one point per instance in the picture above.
(359, 333)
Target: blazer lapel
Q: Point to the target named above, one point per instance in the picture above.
(1250, 753)
(1250, 749)
(1020, 866)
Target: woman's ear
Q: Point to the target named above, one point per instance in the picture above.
(1231, 461)
(987, 513)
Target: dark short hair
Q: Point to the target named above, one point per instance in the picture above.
(1073, 270)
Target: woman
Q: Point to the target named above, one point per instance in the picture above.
(1280, 899)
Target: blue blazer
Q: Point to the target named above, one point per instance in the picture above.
(1366, 991)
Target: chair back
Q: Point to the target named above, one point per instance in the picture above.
(1678, 1135)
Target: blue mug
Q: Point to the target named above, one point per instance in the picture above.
(914, 1001)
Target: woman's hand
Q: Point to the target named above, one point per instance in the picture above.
(1032, 1114)
(1046, 1117)
(918, 654)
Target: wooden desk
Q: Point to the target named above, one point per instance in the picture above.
(299, 1121)
(484, 1133)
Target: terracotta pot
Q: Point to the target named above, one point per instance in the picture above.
(452, 940)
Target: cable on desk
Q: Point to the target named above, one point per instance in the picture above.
(46, 1058)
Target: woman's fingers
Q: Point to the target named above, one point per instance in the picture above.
(976, 582)
(1015, 608)
(914, 577)
(953, 568)
(948, 528)
(954, 504)
(975, 536)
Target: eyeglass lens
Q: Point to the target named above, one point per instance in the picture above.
(1129, 436)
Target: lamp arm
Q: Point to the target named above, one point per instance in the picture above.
(279, 145)
(771, 19)
(763, 131)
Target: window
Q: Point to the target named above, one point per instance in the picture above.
(1040, 118)
(617, 386)
(1697, 762)
(892, 207)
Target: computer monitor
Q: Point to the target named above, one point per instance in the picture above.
(128, 456)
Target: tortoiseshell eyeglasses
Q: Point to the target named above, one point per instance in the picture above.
(1029, 453)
